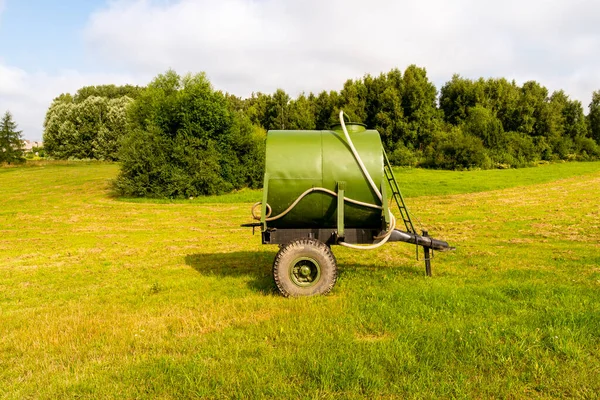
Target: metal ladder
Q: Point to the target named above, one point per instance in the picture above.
(404, 214)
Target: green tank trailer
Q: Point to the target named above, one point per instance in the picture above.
(324, 188)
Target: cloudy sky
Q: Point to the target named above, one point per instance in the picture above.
(52, 46)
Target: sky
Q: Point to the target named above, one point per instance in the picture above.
(244, 46)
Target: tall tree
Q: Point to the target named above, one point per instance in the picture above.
(11, 141)
(501, 97)
(456, 98)
(533, 109)
(112, 129)
(353, 100)
(108, 91)
(594, 116)
(389, 120)
(324, 108)
(419, 103)
(255, 108)
(301, 113)
(277, 110)
(482, 123)
(91, 128)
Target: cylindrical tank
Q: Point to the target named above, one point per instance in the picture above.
(299, 160)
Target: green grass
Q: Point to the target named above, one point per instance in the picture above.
(103, 298)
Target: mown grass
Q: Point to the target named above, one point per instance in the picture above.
(102, 298)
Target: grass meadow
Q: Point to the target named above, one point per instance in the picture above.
(114, 298)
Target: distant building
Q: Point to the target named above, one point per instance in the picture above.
(28, 145)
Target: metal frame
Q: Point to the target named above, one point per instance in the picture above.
(328, 236)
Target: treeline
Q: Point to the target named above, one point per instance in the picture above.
(489, 123)
(179, 137)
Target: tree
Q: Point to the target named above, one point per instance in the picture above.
(501, 97)
(112, 129)
(533, 109)
(301, 113)
(456, 98)
(256, 108)
(11, 141)
(482, 123)
(594, 116)
(277, 113)
(353, 100)
(59, 130)
(419, 103)
(186, 139)
(324, 107)
(91, 128)
(107, 91)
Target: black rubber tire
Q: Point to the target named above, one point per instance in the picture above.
(291, 255)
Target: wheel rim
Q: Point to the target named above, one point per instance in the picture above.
(305, 272)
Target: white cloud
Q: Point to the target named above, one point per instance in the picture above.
(28, 95)
(311, 45)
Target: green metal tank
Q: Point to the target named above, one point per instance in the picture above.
(325, 188)
(299, 160)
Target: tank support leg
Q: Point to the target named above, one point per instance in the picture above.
(341, 187)
(427, 254)
(427, 261)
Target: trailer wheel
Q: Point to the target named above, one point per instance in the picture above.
(304, 267)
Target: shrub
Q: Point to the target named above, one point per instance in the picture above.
(403, 156)
(186, 141)
(456, 150)
(587, 149)
(518, 151)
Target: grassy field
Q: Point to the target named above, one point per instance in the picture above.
(105, 298)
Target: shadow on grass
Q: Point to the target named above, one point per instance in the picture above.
(400, 268)
(255, 265)
(258, 267)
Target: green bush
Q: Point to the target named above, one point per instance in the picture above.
(587, 149)
(186, 141)
(519, 150)
(562, 147)
(403, 156)
(456, 150)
